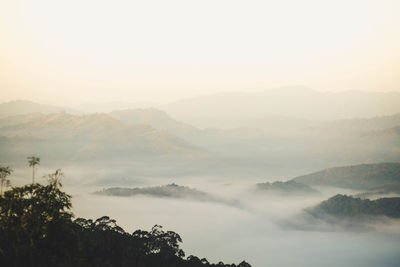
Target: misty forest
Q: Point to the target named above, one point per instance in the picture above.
(183, 133)
(91, 188)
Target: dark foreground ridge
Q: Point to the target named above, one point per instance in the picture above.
(37, 229)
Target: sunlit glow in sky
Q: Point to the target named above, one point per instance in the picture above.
(70, 52)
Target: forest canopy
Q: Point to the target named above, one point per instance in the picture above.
(37, 229)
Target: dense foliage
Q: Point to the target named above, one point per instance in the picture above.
(4, 173)
(169, 190)
(37, 229)
(347, 206)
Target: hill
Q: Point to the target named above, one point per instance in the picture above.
(171, 191)
(347, 206)
(156, 118)
(286, 188)
(361, 177)
(166, 191)
(361, 125)
(48, 235)
(281, 145)
(66, 136)
(20, 119)
(20, 107)
(226, 109)
(387, 189)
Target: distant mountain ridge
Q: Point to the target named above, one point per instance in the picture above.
(88, 137)
(377, 123)
(21, 107)
(361, 177)
(282, 145)
(287, 188)
(296, 102)
(154, 117)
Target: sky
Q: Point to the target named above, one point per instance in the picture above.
(69, 52)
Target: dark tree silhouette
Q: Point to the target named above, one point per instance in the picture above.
(35, 226)
(33, 161)
(55, 178)
(4, 173)
(36, 229)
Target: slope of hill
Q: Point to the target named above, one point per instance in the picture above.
(285, 145)
(347, 206)
(384, 190)
(20, 107)
(297, 102)
(170, 191)
(61, 241)
(87, 137)
(107, 107)
(361, 125)
(155, 118)
(364, 176)
(20, 119)
(286, 188)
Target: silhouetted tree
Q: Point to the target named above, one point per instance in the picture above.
(55, 178)
(36, 229)
(33, 161)
(35, 226)
(4, 173)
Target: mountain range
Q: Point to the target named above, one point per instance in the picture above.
(246, 109)
(233, 109)
(277, 144)
(84, 137)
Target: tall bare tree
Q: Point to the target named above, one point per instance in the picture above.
(33, 161)
(55, 178)
(4, 172)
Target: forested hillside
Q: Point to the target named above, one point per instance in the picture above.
(347, 206)
(37, 229)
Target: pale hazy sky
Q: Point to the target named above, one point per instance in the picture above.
(68, 52)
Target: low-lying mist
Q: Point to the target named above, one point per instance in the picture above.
(264, 229)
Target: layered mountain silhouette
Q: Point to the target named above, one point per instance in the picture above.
(280, 144)
(231, 109)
